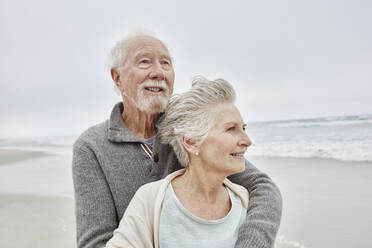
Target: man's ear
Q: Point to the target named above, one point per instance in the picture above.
(115, 76)
(189, 145)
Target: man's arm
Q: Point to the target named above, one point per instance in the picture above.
(264, 209)
(94, 207)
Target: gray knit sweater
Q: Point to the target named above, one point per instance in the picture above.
(109, 165)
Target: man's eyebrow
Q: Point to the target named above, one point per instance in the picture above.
(141, 54)
(165, 56)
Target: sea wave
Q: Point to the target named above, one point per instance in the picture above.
(331, 123)
(282, 241)
(361, 152)
(358, 120)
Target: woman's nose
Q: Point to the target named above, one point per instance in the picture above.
(245, 140)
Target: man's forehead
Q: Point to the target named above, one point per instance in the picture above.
(146, 44)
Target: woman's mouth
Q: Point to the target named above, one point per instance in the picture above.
(238, 154)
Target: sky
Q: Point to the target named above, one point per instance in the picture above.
(286, 59)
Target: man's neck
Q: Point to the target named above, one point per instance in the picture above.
(140, 123)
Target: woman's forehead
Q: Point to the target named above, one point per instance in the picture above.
(228, 113)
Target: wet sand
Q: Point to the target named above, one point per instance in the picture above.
(12, 156)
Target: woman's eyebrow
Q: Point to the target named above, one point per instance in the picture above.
(231, 123)
(235, 123)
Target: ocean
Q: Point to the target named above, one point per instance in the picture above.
(347, 138)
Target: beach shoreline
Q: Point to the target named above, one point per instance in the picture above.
(13, 156)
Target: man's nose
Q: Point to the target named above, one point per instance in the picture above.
(157, 72)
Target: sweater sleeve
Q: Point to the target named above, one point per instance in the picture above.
(264, 209)
(94, 206)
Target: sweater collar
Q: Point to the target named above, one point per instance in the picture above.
(118, 132)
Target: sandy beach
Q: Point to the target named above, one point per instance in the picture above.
(36, 207)
(36, 221)
(326, 202)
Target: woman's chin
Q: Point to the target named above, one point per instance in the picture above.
(236, 168)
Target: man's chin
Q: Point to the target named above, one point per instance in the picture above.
(153, 107)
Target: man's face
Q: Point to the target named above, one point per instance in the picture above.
(146, 79)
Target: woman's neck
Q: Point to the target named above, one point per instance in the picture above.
(201, 182)
(202, 193)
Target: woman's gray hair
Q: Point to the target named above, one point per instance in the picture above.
(193, 113)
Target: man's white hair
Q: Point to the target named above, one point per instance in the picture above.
(193, 113)
(118, 52)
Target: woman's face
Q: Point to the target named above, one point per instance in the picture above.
(223, 149)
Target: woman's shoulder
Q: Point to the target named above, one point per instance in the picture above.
(148, 191)
(239, 191)
(142, 205)
(151, 190)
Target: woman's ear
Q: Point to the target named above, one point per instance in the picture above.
(189, 145)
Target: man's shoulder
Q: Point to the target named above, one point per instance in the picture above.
(93, 135)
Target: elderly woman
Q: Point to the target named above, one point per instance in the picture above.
(197, 206)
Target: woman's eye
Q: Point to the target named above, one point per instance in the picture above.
(231, 129)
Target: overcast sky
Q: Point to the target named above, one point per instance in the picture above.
(286, 59)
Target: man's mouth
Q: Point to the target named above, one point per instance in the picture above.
(154, 89)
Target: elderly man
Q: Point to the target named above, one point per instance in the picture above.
(113, 159)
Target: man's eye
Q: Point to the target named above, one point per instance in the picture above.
(165, 62)
(144, 61)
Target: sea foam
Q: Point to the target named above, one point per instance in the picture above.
(343, 138)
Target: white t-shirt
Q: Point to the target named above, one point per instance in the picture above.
(180, 228)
